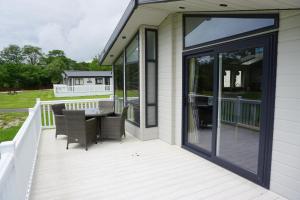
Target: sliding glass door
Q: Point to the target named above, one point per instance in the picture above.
(228, 105)
(200, 101)
(240, 96)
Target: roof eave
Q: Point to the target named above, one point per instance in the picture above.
(122, 23)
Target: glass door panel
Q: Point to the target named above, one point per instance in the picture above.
(240, 96)
(200, 101)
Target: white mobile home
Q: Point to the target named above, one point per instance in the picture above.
(218, 78)
(84, 83)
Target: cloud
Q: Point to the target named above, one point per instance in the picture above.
(79, 27)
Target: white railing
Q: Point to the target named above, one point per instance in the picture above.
(61, 90)
(244, 112)
(239, 111)
(18, 158)
(48, 120)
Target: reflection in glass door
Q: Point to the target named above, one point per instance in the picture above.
(200, 101)
(240, 96)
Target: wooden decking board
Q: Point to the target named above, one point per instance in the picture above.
(133, 170)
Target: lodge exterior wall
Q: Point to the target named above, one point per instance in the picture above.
(285, 171)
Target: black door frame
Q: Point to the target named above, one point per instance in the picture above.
(269, 43)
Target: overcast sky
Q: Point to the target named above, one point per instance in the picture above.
(79, 27)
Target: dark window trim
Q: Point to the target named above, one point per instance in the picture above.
(98, 78)
(249, 33)
(156, 78)
(79, 81)
(268, 107)
(125, 63)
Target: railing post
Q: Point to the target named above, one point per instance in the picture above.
(238, 109)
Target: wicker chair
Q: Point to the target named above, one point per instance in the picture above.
(79, 129)
(59, 119)
(107, 106)
(113, 127)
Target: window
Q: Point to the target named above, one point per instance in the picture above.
(99, 81)
(226, 81)
(132, 81)
(89, 80)
(118, 69)
(151, 77)
(78, 81)
(107, 81)
(203, 29)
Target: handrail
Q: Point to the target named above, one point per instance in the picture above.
(61, 90)
(74, 101)
(48, 119)
(18, 158)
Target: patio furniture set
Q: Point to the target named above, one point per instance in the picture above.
(89, 125)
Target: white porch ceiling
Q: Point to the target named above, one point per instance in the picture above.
(232, 5)
(142, 15)
(154, 13)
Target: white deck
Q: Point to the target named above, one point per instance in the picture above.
(133, 170)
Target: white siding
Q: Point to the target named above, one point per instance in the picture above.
(285, 173)
(89, 81)
(177, 96)
(165, 82)
(170, 79)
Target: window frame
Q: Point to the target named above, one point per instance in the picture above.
(122, 54)
(270, 40)
(79, 80)
(224, 39)
(124, 72)
(156, 78)
(100, 82)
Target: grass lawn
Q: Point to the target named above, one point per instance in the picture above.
(10, 123)
(9, 133)
(27, 98)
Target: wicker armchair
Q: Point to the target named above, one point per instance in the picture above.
(107, 106)
(59, 119)
(79, 129)
(113, 127)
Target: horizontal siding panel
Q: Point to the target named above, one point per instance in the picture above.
(288, 46)
(287, 148)
(285, 180)
(287, 103)
(285, 173)
(290, 21)
(286, 159)
(283, 190)
(288, 137)
(290, 34)
(291, 67)
(288, 80)
(165, 80)
(288, 114)
(285, 125)
(290, 92)
(285, 170)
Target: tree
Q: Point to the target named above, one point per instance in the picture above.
(55, 69)
(12, 54)
(94, 65)
(32, 54)
(11, 76)
(56, 53)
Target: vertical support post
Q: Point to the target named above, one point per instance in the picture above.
(238, 109)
